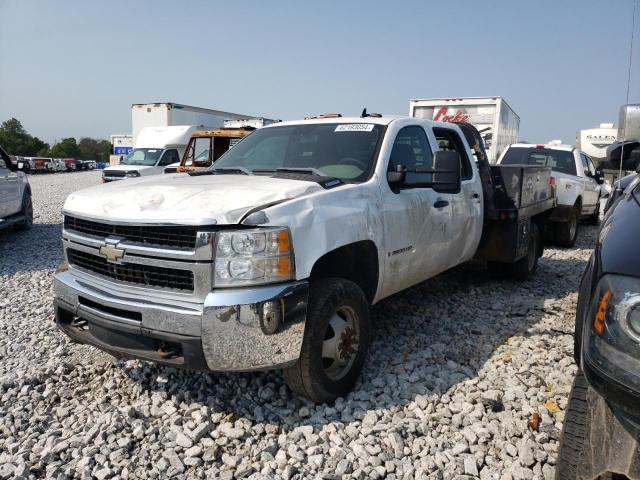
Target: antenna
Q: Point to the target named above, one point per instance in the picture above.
(364, 113)
(633, 28)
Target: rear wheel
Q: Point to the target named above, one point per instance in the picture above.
(335, 341)
(527, 265)
(27, 212)
(567, 232)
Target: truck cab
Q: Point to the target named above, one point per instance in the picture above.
(206, 146)
(272, 257)
(155, 148)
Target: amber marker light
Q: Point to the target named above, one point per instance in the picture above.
(599, 320)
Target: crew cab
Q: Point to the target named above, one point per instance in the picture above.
(273, 257)
(577, 181)
(602, 420)
(15, 195)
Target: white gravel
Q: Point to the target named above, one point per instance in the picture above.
(457, 367)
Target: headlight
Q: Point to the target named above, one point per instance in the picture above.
(133, 174)
(253, 257)
(613, 337)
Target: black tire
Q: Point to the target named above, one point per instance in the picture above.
(574, 430)
(310, 375)
(27, 212)
(594, 218)
(567, 232)
(523, 268)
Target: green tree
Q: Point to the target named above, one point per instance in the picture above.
(66, 148)
(16, 141)
(92, 149)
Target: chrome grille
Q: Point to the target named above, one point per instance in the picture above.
(146, 275)
(177, 237)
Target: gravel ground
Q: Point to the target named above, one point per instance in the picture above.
(458, 366)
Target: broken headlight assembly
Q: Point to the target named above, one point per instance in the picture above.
(612, 344)
(253, 257)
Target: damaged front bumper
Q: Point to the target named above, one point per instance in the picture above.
(240, 329)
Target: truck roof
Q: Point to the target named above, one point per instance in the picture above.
(223, 132)
(548, 146)
(382, 120)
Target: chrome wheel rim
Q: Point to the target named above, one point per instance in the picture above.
(341, 343)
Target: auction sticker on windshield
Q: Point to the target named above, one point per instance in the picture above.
(355, 127)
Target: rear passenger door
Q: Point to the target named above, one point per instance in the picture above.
(467, 205)
(591, 187)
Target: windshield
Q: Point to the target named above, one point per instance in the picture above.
(142, 156)
(343, 151)
(558, 160)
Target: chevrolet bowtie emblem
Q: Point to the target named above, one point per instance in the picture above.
(111, 252)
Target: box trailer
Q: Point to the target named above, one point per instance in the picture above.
(171, 114)
(492, 116)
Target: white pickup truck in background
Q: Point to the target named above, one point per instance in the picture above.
(155, 148)
(273, 256)
(577, 183)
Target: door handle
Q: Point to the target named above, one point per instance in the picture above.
(441, 203)
(475, 195)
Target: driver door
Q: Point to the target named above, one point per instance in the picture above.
(416, 219)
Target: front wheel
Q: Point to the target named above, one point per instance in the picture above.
(335, 341)
(574, 431)
(27, 212)
(594, 218)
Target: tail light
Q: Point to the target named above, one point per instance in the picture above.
(552, 181)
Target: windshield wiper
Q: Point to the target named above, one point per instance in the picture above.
(243, 170)
(309, 171)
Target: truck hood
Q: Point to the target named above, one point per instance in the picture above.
(184, 199)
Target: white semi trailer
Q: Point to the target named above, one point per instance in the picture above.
(496, 121)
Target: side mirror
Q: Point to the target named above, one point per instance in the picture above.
(599, 177)
(398, 177)
(446, 171)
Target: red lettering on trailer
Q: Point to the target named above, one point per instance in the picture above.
(442, 116)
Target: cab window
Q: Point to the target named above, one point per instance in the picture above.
(450, 141)
(198, 152)
(411, 149)
(169, 157)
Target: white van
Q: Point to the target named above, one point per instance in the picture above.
(155, 148)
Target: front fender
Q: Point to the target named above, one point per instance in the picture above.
(328, 220)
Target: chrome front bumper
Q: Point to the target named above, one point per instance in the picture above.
(232, 330)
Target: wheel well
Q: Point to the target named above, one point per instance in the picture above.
(578, 203)
(357, 262)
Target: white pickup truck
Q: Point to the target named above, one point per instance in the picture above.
(273, 256)
(577, 183)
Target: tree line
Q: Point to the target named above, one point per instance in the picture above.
(17, 141)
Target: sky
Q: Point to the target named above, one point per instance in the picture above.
(72, 68)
